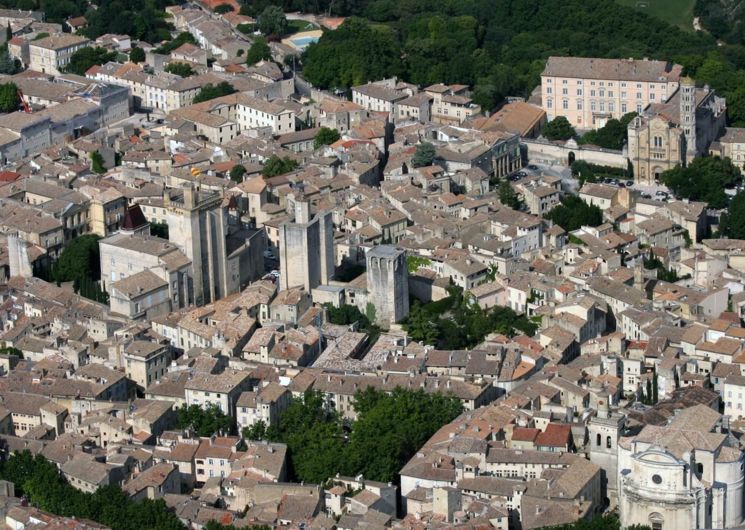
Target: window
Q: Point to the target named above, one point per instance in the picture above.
(592, 93)
(564, 81)
(623, 108)
(549, 90)
(579, 91)
(565, 91)
(579, 104)
(657, 479)
(598, 440)
(565, 104)
(549, 104)
(608, 442)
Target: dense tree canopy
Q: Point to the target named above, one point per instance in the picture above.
(137, 55)
(272, 21)
(353, 54)
(182, 38)
(559, 129)
(79, 260)
(388, 431)
(507, 195)
(237, 172)
(457, 322)
(259, 51)
(84, 58)
(573, 213)
(704, 179)
(424, 155)
(733, 220)
(180, 68)
(205, 421)
(9, 100)
(39, 481)
(223, 8)
(140, 19)
(210, 91)
(278, 166)
(612, 135)
(325, 136)
(97, 163)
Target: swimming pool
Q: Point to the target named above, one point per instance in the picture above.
(302, 42)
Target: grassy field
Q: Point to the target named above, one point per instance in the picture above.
(677, 12)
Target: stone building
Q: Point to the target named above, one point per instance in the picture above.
(686, 474)
(388, 284)
(675, 132)
(51, 54)
(590, 91)
(306, 248)
(224, 257)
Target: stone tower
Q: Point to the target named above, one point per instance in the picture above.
(388, 284)
(604, 430)
(197, 223)
(688, 115)
(306, 248)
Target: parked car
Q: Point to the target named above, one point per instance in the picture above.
(629, 183)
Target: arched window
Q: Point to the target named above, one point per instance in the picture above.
(608, 442)
(599, 440)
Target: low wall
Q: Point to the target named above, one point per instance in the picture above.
(551, 153)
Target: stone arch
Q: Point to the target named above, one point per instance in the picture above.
(571, 158)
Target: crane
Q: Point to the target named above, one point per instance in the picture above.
(24, 104)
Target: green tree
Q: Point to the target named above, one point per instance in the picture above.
(9, 100)
(507, 195)
(325, 136)
(259, 51)
(8, 65)
(314, 438)
(257, 431)
(278, 166)
(390, 429)
(97, 163)
(210, 91)
(420, 326)
(223, 8)
(345, 315)
(182, 38)
(237, 172)
(583, 172)
(272, 21)
(559, 129)
(573, 213)
(42, 485)
(733, 219)
(79, 260)
(8, 32)
(10, 350)
(424, 155)
(205, 421)
(159, 230)
(180, 68)
(352, 55)
(613, 135)
(704, 179)
(137, 55)
(84, 58)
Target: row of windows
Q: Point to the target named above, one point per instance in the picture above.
(602, 83)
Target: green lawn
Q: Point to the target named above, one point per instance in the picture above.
(677, 12)
(296, 26)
